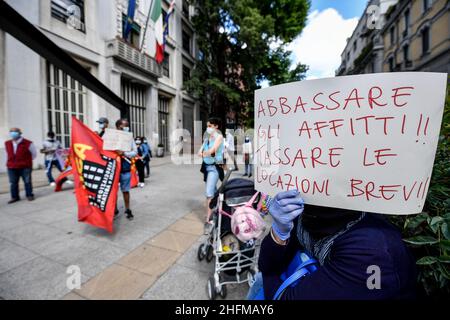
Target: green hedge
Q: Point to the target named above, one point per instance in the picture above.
(428, 233)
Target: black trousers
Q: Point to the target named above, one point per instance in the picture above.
(140, 170)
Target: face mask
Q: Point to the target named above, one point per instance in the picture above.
(126, 129)
(145, 141)
(138, 141)
(101, 125)
(247, 139)
(14, 135)
(210, 130)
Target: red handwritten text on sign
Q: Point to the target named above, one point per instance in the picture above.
(360, 142)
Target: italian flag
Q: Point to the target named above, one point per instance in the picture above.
(157, 18)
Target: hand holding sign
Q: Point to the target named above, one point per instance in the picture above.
(284, 209)
(363, 142)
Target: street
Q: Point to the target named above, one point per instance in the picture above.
(153, 256)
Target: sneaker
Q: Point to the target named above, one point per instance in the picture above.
(250, 175)
(141, 185)
(13, 200)
(244, 175)
(69, 182)
(116, 214)
(129, 214)
(31, 198)
(52, 184)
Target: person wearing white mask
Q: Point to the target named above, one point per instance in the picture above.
(20, 153)
(212, 154)
(103, 123)
(49, 148)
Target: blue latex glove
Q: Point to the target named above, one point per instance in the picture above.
(284, 208)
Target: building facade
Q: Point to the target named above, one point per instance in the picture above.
(417, 36)
(363, 52)
(38, 97)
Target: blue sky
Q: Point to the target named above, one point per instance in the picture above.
(347, 8)
(329, 24)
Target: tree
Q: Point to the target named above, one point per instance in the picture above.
(241, 44)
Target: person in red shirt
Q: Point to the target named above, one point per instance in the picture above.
(20, 153)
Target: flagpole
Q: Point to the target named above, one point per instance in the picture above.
(146, 24)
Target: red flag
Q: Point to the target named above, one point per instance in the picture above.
(67, 171)
(62, 178)
(134, 174)
(96, 174)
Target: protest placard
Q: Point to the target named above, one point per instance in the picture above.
(117, 140)
(363, 142)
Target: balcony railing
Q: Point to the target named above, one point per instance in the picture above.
(121, 50)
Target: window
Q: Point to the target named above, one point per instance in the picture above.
(186, 9)
(391, 64)
(166, 65)
(355, 44)
(405, 32)
(163, 121)
(186, 73)
(348, 56)
(426, 5)
(134, 95)
(406, 55)
(186, 42)
(133, 37)
(425, 40)
(66, 97)
(70, 12)
(201, 55)
(392, 35)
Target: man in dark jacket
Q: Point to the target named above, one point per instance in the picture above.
(360, 255)
(20, 153)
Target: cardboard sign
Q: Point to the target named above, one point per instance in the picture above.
(364, 142)
(117, 140)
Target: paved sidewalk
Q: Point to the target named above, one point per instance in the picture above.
(151, 257)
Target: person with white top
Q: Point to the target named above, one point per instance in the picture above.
(247, 150)
(49, 148)
(229, 149)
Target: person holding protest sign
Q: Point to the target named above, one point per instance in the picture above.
(212, 153)
(125, 171)
(360, 255)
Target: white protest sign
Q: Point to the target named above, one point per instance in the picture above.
(364, 142)
(117, 140)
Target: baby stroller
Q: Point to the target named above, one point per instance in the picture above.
(235, 262)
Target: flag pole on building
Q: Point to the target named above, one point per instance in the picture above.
(146, 25)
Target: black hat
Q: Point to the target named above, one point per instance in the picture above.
(103, 120)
